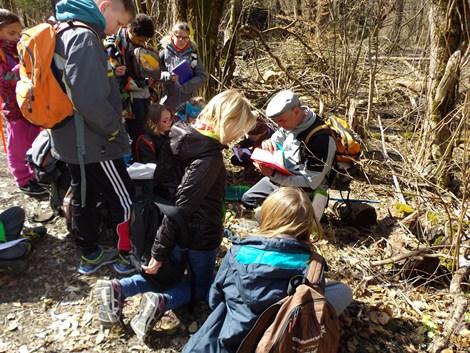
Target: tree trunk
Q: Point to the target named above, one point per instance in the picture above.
(138, 6)
(397, 22)
(227, 57)
(148, 7)
(205, 16)
(181, 11)
(322, 16)
(446, 36)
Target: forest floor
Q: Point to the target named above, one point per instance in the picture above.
(399, 306)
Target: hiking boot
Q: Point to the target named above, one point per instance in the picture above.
(108, 295)
(123, 265)
(152, 308)
(32, 188)
(35, 233)
(90, 264)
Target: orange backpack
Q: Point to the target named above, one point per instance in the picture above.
(40, 96)
(348, 142)
(303, 322)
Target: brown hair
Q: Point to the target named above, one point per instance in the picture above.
(7, 18)
(129, 6)
(288, 211)
(153, 117)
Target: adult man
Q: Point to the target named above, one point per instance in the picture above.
(310, 163)
(94, 140)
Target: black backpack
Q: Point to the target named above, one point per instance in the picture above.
(147, 216)
(48, 170)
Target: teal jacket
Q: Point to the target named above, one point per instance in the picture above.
(254, 274)
(82, 62)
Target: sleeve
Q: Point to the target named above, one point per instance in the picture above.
(315, 167)
(216, 293)
(197, 182)
(197, 81)
(86, 76)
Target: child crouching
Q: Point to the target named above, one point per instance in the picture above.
(256, 271)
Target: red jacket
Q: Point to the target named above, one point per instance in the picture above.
(9, 75)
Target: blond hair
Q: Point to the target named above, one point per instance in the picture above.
(229, 115)
(288, 211)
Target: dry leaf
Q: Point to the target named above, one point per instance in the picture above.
(99, 338)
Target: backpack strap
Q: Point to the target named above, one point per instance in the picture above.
(315, 131)
(63, 26)
(316, 269)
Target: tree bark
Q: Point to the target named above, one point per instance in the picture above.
(204, 17)
(181, 11)
(227, 58)
(446, 36)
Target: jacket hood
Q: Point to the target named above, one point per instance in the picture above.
(80, 10)
(186, 142)
(259, 264)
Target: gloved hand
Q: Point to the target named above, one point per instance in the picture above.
(165, 76)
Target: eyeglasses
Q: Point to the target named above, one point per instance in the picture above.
(180, 37)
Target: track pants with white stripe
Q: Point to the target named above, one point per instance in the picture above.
(110, 178)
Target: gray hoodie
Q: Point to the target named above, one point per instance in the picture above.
(81, 60)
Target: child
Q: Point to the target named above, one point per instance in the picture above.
(256, 271)
(15, 245)
(154, 147)
(244, 149)
(178, 47)
(135, 91)
(21, 133)
(100, 139)
(190, 110)
(225, 118)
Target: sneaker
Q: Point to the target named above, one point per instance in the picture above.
(152, 308)
(35, 233)
(108, 295)
(123, 265)
(32, 188)
(92, 263)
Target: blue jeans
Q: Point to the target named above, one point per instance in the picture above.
(202, 269)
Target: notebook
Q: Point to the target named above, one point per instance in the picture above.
(274, 160)
(184, 71)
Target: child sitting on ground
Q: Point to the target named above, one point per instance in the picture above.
(15, 245)
(256, 271)
(190, 110)
(154, 147)
(242, 151)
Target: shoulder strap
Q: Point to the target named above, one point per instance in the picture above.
(63, 26)
(316, 269)
(314, 131)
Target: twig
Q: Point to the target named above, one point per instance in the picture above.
(399, 257)
(385, 153)
(455, 313)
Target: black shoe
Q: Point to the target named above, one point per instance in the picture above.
(33, 188)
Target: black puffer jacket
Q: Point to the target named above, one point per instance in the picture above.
(199, 195)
